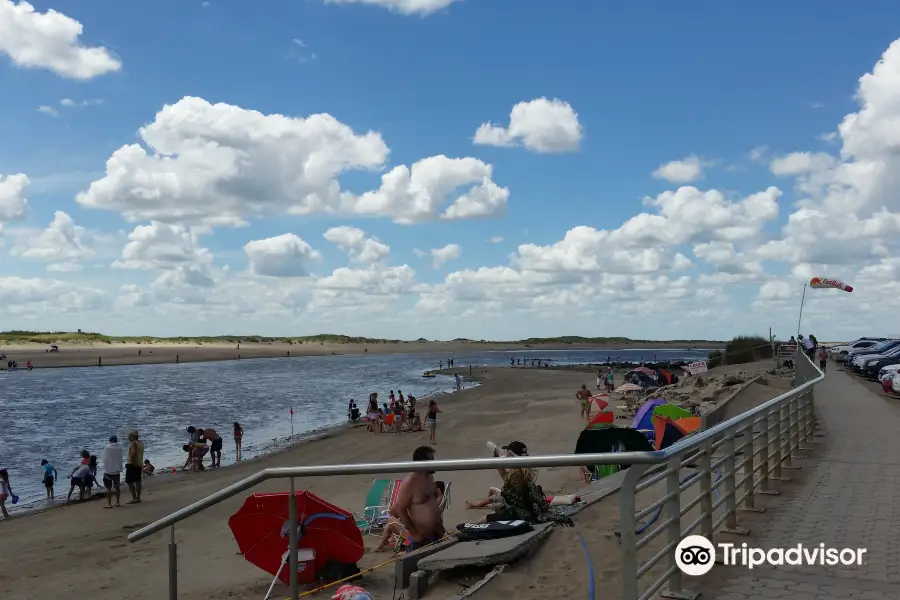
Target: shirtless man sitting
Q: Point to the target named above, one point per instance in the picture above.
(417, 504)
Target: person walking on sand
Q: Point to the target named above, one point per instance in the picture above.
(111, 460)
(50, 476)
(215, 450)
(610, 381)
(5, 491)
(431, 421)
(458, 382)
(600, 379)
(133, 466)
(584, 396)
(417, 505)
(238, 439)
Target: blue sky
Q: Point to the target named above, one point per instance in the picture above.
(737, 87)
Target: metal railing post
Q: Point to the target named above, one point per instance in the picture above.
(749, 472)
(765, 486)
(173, 565)
(796, 428)
(628, 532)
(293, 543)
(777, 443)
(673, 529)
(807, 419)
(704, 461)
(731, 525)
(787, 436)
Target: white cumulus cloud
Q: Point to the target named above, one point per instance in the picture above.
(403, 7)
(50, 40)
(540, 125)
(13, 197)
(687, 170)
(358, 246)
(281, 256)
(222, 165)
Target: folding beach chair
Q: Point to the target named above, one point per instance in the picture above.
(382, 495)
(445, 502)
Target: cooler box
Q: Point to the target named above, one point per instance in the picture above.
(306, 567)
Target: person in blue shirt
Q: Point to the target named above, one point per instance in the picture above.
(50, 476)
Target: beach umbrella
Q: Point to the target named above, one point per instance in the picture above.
(628, 387)
(610, 439)
(600, 402)
(672, 411)
(644, 414)
(601, 420)
(668, 431)
(261, 529)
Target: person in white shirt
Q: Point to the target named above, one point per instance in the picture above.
(111, 460)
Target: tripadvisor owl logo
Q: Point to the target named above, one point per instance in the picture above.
(695, 555)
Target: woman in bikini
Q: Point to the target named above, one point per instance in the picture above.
(431, 420)
(238, 439)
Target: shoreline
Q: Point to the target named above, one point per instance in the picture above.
(263, 450)
(510, 404)
(110, 355)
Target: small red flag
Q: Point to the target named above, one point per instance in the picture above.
(292, 411)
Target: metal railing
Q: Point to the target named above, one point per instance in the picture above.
(769, 437)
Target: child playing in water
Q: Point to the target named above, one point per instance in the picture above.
(50, 476)
(148, 468)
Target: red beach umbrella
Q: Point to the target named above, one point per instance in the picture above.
(261, 528)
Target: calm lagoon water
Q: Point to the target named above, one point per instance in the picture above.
(55, 413)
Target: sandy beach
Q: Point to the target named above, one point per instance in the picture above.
(81, 549)
(116, 353)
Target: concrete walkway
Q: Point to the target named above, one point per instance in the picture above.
(847, 495)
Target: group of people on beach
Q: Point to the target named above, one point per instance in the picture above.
(83, 476)
(205, 440)
(396, 416)
(523, 362)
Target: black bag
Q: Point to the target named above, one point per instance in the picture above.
(492, 530)
(333, 570)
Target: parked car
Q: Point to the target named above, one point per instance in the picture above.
(888, 372)
(895, 383)
(873, 364)
(841, 350)
(876, 349)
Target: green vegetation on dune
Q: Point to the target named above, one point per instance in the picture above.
(49, 337)
(741, 349)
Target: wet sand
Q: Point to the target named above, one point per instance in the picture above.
(81, 550)
(100, 353)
